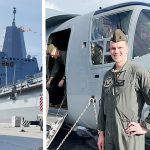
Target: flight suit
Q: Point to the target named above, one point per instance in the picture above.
(123, 96)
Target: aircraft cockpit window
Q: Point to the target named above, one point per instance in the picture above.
(101, 32)
(97, 53)
(142, 35)
(104, 26)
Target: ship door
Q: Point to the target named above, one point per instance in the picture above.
(57, 89)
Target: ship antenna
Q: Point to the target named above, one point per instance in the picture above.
(14, 12)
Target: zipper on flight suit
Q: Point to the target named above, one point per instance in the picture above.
(114, 85)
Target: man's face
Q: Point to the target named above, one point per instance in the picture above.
(119, 51)
(55, 54)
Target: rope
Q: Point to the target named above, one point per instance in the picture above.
(60, 107)
(93, 100)
(74, 124)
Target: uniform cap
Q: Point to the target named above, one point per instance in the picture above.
(50, 48)
(118, 36)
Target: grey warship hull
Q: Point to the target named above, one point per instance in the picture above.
(25, 101)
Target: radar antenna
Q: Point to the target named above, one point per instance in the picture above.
(14, 12)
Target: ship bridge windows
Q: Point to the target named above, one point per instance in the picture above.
(101, 32)
(2, 74)
(7, 63)
(142, 35)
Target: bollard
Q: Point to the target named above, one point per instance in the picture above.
(22, 126)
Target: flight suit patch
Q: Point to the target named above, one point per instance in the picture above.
(108, 82)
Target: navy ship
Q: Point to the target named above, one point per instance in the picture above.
(20, 78)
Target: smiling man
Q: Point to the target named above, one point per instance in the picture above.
(126, 87)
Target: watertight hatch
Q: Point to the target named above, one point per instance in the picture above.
(54, 122)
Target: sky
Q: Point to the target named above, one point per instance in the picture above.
(29, 16)
(83, 6)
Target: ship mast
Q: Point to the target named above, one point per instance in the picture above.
(14, 12)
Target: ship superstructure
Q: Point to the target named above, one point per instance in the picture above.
(15, 65)
(20, 78)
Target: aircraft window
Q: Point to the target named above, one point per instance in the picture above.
(101, 32)
(96, 32)
(142, 35)
(104, 26)
(97, 52)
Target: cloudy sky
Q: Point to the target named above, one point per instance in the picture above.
(83, 6)
(29, 16)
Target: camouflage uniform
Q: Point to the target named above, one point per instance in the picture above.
(123, 96)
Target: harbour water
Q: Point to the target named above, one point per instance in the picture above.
(11, 138)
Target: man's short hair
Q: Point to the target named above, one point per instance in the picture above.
(119, 36)
(50, 48)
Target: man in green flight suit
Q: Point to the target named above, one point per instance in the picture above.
(126, 87)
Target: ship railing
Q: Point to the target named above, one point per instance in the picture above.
(34, 80)
(29, 81)
(6, 89)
